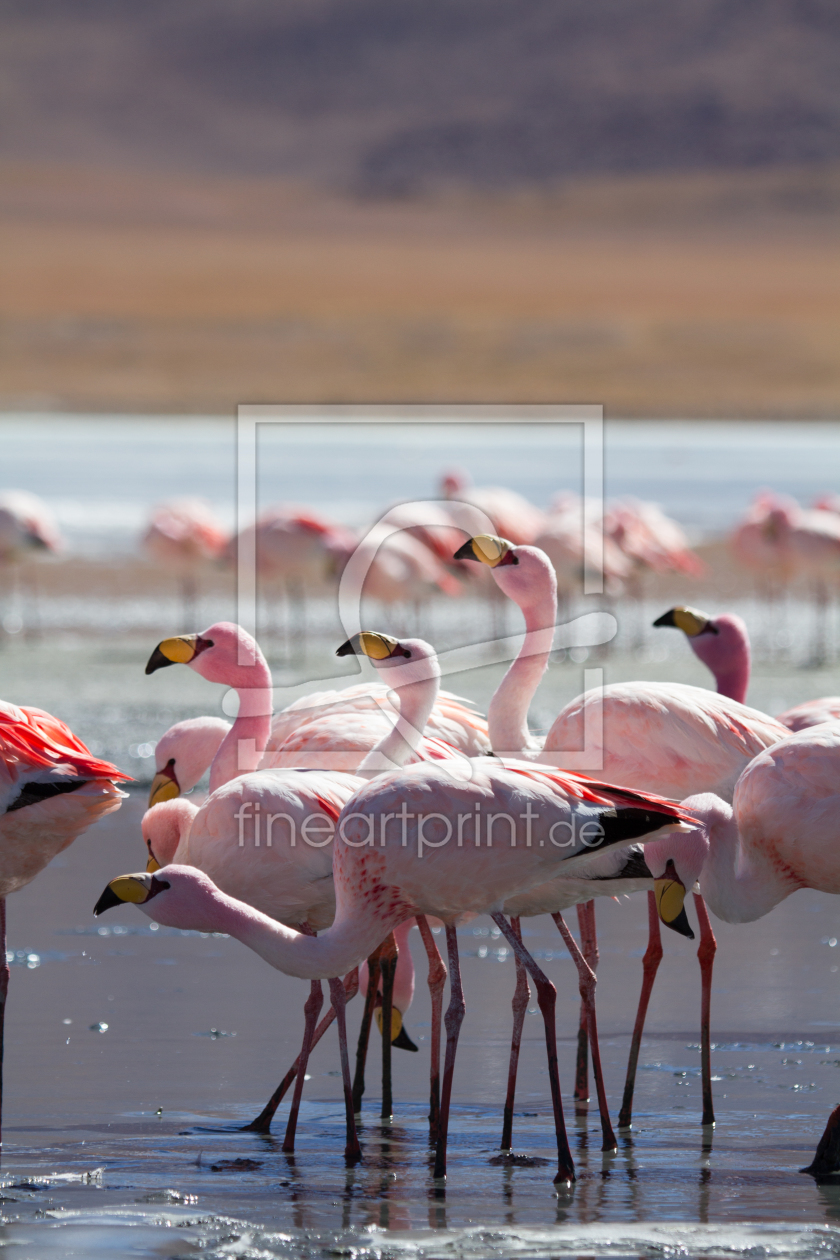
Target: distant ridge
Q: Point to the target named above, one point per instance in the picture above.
(399, 96)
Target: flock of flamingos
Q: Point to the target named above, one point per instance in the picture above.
(335, 825)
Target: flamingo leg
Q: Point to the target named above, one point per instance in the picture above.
(589, 948)
(311, 1011)
(650, 966)
(4, 989)
(437, 979)
(587, 982)
(521, 996)
(547, 999)
(453, 1020)
(364, 1031)
(388, 966)
(352, 1151)
(262, 1123)
(706, 957)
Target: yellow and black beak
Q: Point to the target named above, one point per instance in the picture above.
(165, 785)
(178, 651)
(488, 549)
(669, 892)
(370, 643)
(399, 1037)
(126, 889)
(690, 620)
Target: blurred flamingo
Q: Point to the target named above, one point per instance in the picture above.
(27, 529)
(52, 789)
(578, 547)
(298, 551)
(183, 536)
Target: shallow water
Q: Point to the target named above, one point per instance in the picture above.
(133, 1054)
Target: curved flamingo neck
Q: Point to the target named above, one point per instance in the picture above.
(736, 888)
(417, 684)
(343, 946)
(507, 716)
(244, 744)
(727, 655)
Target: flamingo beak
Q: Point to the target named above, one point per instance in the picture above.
(399, 1037)
(669, 892)
(372, 644)
(124, 889)
(180, 650)
(690, 620)
(177, 651)
(165, 785)
(488, 549)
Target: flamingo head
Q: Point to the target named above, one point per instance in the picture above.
(180, 897)
(721, 643)
(675, 861)
(163, 828)
(403, 660)
(522, 573)
(183, 754)
(224, 653)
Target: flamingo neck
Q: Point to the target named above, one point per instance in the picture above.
(244, 744)
(343, 946)
(735, 887)
(507, 716)
(417, 684)
(727, 655)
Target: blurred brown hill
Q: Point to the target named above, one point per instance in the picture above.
(396, 94)
(204, 202)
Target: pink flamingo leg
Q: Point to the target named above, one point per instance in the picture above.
(521, 996)
(547, 999)
(388, 966)
(589, 948)
(650, 966)
(262, 1123)
(4, 989)
(311, 1011)
(437, 979)
(364, 1031)
(453, 1020)
(587, 982)
(706, 957)
(352, 1151)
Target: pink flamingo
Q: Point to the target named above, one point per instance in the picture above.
(723, 645)
(781, 833)
(298, 550)
(27, 528)
(575, 546)
(377, 888)
(184, 536)
(671, 738)
(51, 790)
(183, 754)
(512, 515)
(216, 654)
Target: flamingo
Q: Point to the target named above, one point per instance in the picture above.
(292, 884)
(183, 754)
(723, 645)
(411, 871)
(27, 528)
(781, 833)
(184, 536)
(668, 737)
(52, 789)
(575, 546)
